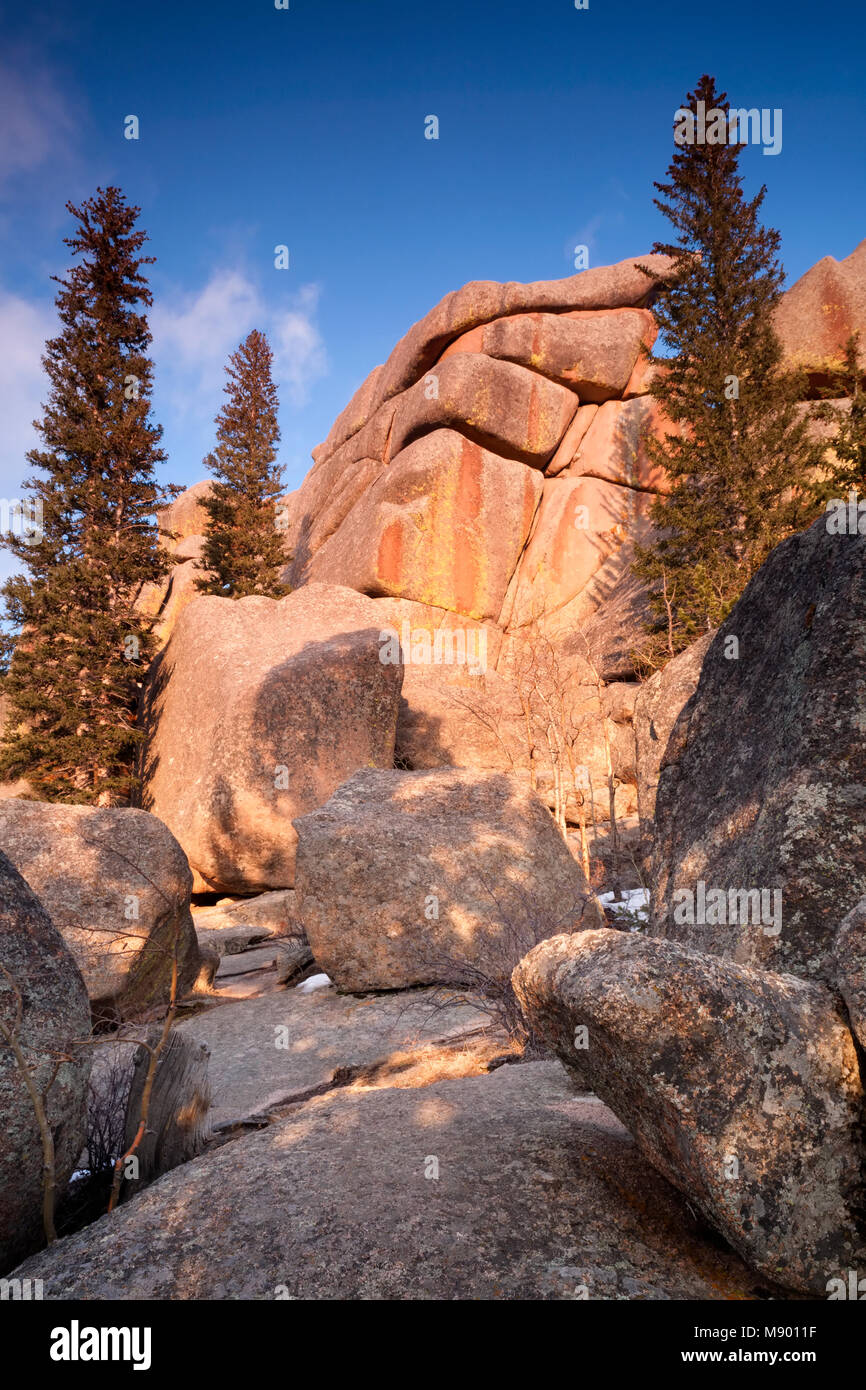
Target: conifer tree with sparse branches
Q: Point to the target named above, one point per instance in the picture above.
(77, 647)
(243, 550)
(737, 456)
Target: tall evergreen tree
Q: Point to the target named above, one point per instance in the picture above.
(80, 648)
(739, 453)
(846, 471)
(243, 549)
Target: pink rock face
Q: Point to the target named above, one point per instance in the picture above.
(185, 516)
(444, 525)
(498, 404)
(614, 445)
(592, 353)
(580, 522)
(604, 287)
(818, 314)
(334, 484)
(287, 698)
(571, 440)
(490, 472)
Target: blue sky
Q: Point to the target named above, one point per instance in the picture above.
(305, 127)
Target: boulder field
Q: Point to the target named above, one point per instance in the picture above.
(435, 1066)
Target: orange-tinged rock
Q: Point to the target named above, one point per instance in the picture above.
(614, 446)
(571, 440)
(333, 486)
(444, 524)
(580, 522)
(604, 287)
(592, 353)
(817, 315)
(185, 516)
(498, 404)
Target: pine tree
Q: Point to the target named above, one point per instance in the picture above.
(243, 550)
(91, 540)
(847, 469)
(738, 453)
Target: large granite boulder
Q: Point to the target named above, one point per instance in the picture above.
(407, 878)
(117, 886)
(657, 708)
(286, 698)
(43, 1012)
(593, 354)
(740, 1086)
(760, 845)
(505, 1186)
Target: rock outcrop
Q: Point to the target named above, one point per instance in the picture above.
(287, 698)
(43, 1012)
(764, 791)
(505, 1186)
(657, 707)
(407, 878)
(117, 886)
(740, 1086)
(493, 473)
(817, 315)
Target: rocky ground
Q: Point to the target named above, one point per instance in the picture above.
(430, 1040)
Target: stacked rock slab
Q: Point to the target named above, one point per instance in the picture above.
(487, 481)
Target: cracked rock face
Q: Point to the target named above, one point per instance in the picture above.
(764, 786)
(535, 1194)
(55, 1013)
(740, 1086)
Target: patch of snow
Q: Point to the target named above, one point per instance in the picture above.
(313, 983)
(634, 901)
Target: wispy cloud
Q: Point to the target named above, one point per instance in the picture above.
(194, 334)
(36, 126)
(24, 327)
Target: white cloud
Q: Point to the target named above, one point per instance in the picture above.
(299, 353)
(35, 124)
(24, 327)
(195, 333)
